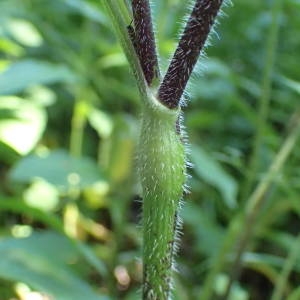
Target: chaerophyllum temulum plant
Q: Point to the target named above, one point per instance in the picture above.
(162, 152)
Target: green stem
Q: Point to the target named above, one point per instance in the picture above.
(162, 173)
(77, 127)
(264, 101)
(286, 270)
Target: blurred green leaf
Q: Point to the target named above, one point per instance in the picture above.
(26, 73)
(23, 124)
(236, 293)
(53, 222)
(208, 235)
(19, 207)
(290, 83)
(10, 47)
(209, 170)
(88, 10)
(41, 95)
(58, 168)
(24, 32)
(283, 240)
(268, 259)
(7, 154)
(37, 262)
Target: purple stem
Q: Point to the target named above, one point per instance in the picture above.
(144, 39)
(188, 50)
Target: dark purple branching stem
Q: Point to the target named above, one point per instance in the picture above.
(145, 41)
(186, 55)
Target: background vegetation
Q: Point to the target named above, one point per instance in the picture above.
(69, 118)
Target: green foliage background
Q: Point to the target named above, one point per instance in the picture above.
(69, 119)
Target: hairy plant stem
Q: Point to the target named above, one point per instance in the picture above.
(162, 172)
(162, 163)
(145, 41)
(264, 101)
(191, 43)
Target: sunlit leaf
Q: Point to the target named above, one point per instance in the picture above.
(236, 293)
(101, 122)
(24, 32)
(42, 195)
(290, 83)
(23, 124)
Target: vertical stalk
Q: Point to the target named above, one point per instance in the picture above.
(145, 41)
(77, 127)
(264, 101)
(162, 172)
(191, 43)
(71, 213)
(162, 165)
